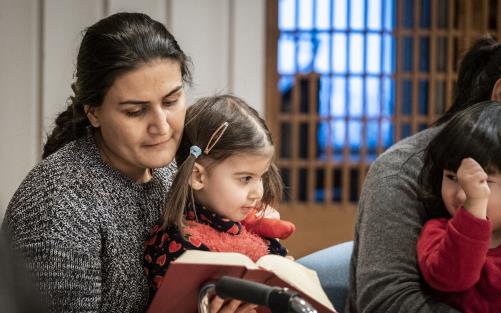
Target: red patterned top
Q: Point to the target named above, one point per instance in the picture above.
(206, 231)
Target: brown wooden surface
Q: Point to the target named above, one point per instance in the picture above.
(318, 227)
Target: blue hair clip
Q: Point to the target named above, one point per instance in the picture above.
(195, 151)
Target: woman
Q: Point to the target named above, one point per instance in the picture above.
(82, 214)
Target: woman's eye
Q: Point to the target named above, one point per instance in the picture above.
(135, 113)
(170, 102)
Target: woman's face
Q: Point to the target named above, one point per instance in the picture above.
(141, 119)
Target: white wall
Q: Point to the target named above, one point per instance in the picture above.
(39, 42)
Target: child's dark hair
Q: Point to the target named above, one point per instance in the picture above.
(474, 133)
(246, 133)
(479, 70)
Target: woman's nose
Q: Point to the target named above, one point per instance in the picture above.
(158, 124)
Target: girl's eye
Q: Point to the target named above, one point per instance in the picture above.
(246, 179)
(451, 177)
(135, 113)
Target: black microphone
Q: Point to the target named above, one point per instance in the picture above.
(279, 300)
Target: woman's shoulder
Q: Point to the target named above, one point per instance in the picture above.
(52, 192)
(404, 157)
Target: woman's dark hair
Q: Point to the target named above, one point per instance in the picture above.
(111, 47)
(474, 132)
(479, 70)
(246, 133)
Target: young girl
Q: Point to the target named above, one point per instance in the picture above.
(225, 173)
(459, 251)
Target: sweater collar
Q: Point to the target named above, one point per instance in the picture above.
(203, 215)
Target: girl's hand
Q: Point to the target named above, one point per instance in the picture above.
(473, 179)
(217, 305)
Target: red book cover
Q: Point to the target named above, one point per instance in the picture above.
(185, 276)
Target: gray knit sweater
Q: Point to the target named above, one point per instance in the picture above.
(82, 225)
(384, 273)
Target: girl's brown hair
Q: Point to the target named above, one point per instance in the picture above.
(246, 133)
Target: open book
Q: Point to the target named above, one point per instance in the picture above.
(186, 275)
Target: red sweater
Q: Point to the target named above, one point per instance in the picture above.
(455, 260)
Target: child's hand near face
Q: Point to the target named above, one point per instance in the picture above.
(473, 179)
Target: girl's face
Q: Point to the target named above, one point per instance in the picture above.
(234, 187)
(454, 198)
(141, 119)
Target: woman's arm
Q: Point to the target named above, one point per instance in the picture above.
(384, 271)
(61, 251)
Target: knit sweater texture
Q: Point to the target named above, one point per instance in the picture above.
(384, 273)
(82, 225)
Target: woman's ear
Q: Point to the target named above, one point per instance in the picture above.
(198, 175)
(496, 91)
(92, 115)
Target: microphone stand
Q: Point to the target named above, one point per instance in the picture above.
(279, 300)
(203, 297)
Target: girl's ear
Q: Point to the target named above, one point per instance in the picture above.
(92, 115)
(496, 91)
(197, 178)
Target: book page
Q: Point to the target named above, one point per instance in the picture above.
(216, 258)
(298, 276)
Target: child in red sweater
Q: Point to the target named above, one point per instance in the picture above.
(225, 177)
(459, 252)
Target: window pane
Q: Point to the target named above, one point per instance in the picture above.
(408, 17)
(338, 104)
(355, 134)
(357, 13)
(339, 53)
(305, 52)
(425, 18)
(387, 133)
(324, 96)
(389, 15)
(323, 14)
(356, 53)
(305, 14)
(373, 97)
(373, 53)
(388, 98)
(372, 135)
(374, 14)
(286, 54)
(338, 133)
(424, 54)
(356, 97)
(286, 14)
(340, 13)
(321, 49)
(388, 60)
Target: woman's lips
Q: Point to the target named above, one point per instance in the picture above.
(158, 144)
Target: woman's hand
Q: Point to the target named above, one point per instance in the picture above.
(217, 305)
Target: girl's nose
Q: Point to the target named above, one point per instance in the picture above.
(158, 124)
(460, 195)
(257, 191)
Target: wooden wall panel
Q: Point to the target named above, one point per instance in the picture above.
(19, 117)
